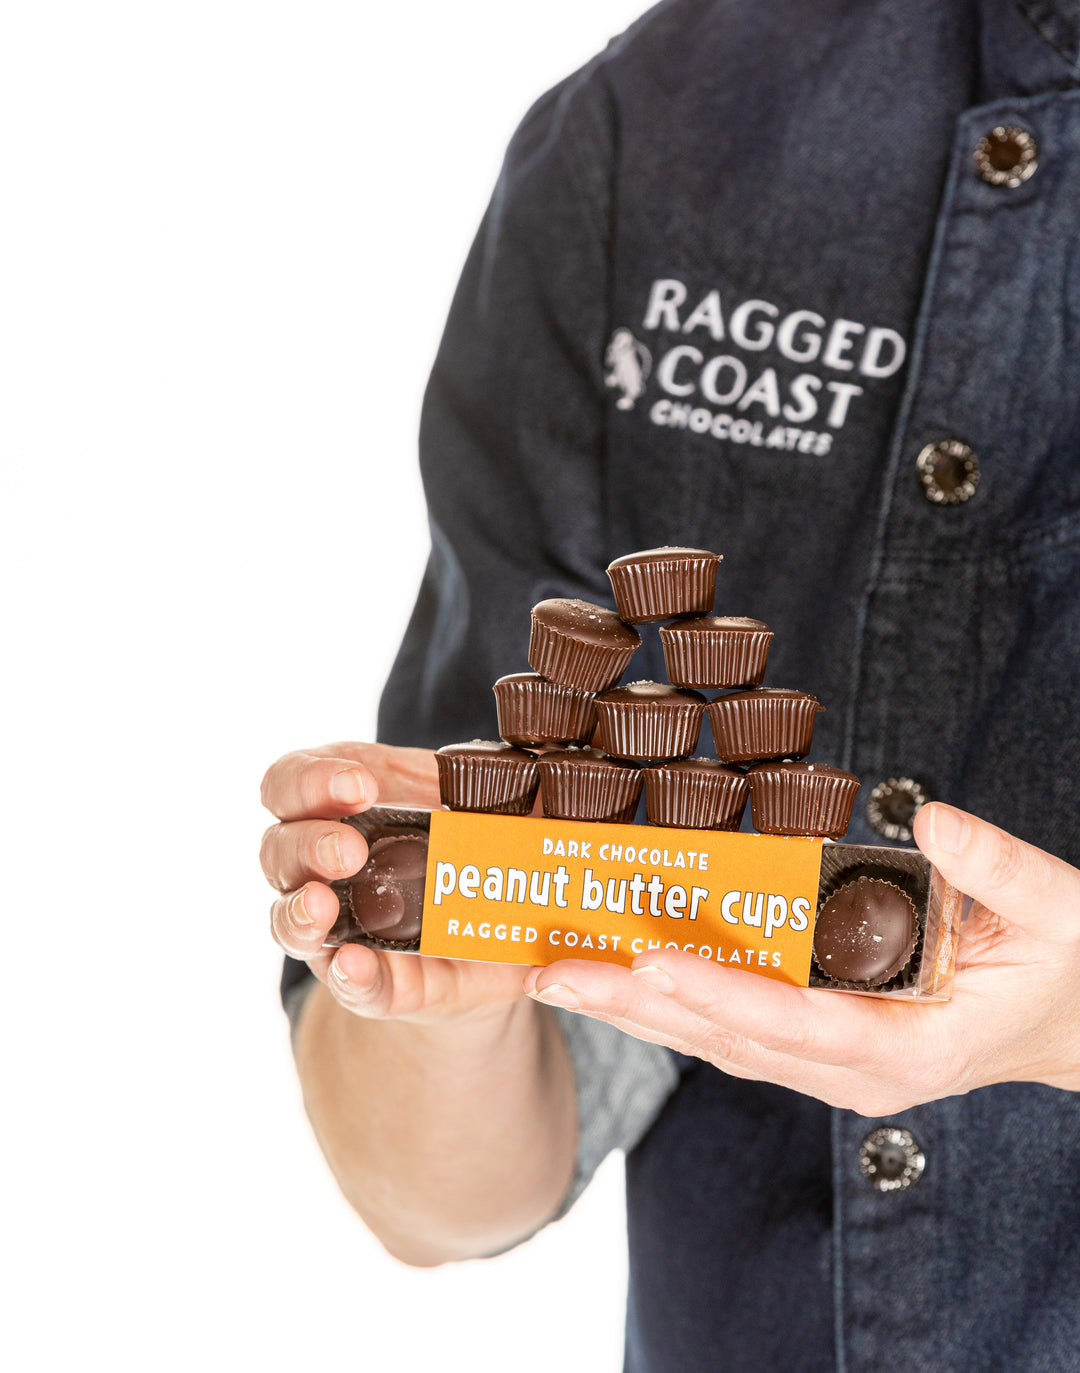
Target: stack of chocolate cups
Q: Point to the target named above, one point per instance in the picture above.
(548, 718)
(590, 746)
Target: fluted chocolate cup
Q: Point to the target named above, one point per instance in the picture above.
(865, 933)
(649, 720)
(801, 798)
(487, 776)
(585, 784)
(658, 583)
(580, 645)
(534, 711)
(695, 793)
(383, 904)
(770, 722)
(716, 651)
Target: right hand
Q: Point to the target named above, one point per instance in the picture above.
(309, 792)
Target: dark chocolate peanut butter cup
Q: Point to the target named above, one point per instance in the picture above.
(649, 720)
(716, 651)
(387, 894)
(584, 784)
(487, 776)
(660, 582)
(769, 722)
(580, 645)
(865, 933)
(695, 793)
(801, 798)
(534, 711)
(383, 903)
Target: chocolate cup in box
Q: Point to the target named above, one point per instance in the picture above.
(695, 793)
(906, 869)
(865, 933)
(770, 722)
(716, 651)
(645, 721)
(802, 798)
(534, 711)
(487, 776)
(658, 583)
(584, 784)
(580, 645)
(359, 898)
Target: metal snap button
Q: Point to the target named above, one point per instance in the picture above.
(892, 806)
(1006, 156)
(891, 1159)
(948, 472)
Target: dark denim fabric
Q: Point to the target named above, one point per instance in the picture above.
(816, 157)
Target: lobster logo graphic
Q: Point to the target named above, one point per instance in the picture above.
(629, 364)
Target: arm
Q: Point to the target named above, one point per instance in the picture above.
(442, 1097)
(450, 1139)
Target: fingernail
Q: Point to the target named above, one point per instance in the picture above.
(949, 828)
(655, 977)
(558, 995)
(347, 788)
(328, 852)
(298, 911)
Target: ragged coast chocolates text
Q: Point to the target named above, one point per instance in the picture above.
(506, 884)
(612, 892)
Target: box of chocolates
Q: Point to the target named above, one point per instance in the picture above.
(535, 856)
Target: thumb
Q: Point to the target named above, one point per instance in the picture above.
(1013, 879)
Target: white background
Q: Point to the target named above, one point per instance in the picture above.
(229, 236)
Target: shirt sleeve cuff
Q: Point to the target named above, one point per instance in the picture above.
(622, 1085)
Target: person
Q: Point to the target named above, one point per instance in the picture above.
(797, 283)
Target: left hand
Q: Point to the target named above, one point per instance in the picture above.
(1014, 1014)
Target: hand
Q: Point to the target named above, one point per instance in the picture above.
(309, 792)
(1014, 1015)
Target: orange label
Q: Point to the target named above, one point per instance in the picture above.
(511, 889)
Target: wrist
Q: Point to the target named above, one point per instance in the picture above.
(480, 1034)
